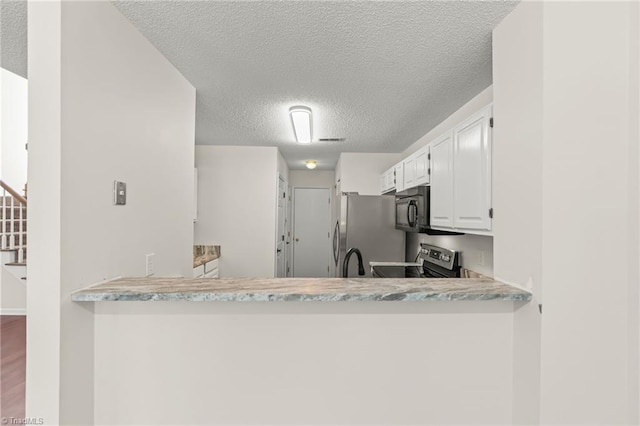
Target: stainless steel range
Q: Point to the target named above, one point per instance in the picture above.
(437, 262)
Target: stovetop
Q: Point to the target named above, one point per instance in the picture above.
(437, 262)
(398, 272)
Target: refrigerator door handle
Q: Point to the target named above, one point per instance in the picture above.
(336, 236)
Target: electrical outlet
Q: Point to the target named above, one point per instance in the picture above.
(150, 264)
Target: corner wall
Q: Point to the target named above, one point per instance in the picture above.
(588, 198)
(566, 146)
(517, 188)
(237, 190)
(105, 105)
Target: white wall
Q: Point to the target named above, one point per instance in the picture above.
(517, 188)
(360, 172)
(566, 146)
(303, 363)
(312, 179)
(283, 168)
(13, 294)
(111, 107)
(14, 129)
(585, 375)
(237, 192)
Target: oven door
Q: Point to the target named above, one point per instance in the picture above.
(407, 214)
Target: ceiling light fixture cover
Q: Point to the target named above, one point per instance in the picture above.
(311, 164)
(302, 124)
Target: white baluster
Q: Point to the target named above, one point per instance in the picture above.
(21, 236)
(3, 221)
(12, 224)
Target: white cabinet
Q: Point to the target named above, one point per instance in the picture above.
(441, 207)
(461, 177)
(416, 168)
(422, 176)
(387, 181)
(409, 166)
(472, 172)
(398, 171)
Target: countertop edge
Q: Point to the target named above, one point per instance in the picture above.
(407, 290)
(292, 297)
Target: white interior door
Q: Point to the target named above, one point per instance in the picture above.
(280, 236)
(311, 242)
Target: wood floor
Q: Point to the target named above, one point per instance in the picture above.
(13, 353)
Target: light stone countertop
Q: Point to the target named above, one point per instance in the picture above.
(299, 289)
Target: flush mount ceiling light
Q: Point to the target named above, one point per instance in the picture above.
(311, 164)
(301, 121)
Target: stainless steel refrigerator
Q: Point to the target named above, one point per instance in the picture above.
(366, 222)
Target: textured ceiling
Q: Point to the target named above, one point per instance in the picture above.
(13, 36)
(380, 74)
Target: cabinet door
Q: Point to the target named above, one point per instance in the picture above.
(409, 172)
(399, 176)
(383, 183)
(391, 180)
(386, 181)
(422, 166)
(472, 172)
(441, 208)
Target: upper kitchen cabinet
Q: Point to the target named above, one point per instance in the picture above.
(421, 164)
(416, 168)
(388, 181)
(472, 172)
(398, 173)
(441, 206)
(461, 176)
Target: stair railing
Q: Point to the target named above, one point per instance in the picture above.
(12, 226)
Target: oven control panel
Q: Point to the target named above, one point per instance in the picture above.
(438, 256)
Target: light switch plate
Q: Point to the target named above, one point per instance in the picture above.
(119, 193)
(150, 269)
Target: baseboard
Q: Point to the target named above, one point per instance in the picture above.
(13, 311)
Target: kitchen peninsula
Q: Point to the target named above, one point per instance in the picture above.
(414, 349)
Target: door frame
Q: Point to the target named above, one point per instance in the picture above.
(289, 229)
(280, 177)
(329, 247)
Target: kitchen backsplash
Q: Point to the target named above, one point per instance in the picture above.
(477, 250)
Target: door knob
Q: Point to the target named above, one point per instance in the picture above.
(297, 239)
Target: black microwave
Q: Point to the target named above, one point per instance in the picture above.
(412, 211)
